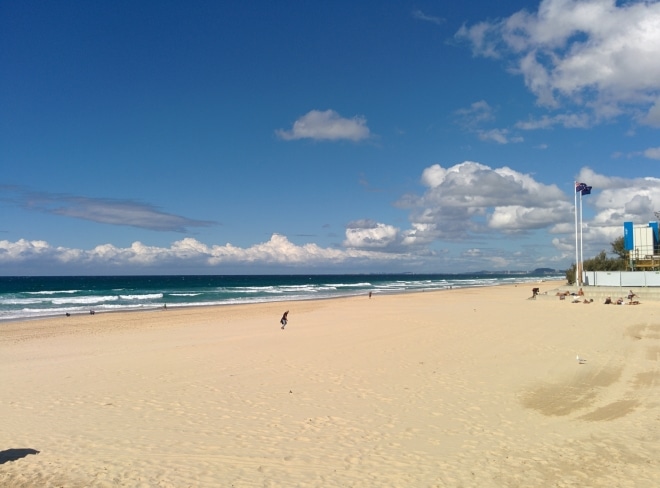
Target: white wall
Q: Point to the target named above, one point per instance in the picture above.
(622, 278)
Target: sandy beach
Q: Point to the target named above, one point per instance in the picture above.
(460, 388)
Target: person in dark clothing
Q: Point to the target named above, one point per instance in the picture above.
(284, 319)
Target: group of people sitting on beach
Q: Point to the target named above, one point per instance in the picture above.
(608, 301)
(563, 294)
(621, 301)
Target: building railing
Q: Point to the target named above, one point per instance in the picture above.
(643, 262)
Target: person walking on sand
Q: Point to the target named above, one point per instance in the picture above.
(284, 319)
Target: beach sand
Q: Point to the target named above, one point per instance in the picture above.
(459, 388)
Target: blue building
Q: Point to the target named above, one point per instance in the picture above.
(643, 245)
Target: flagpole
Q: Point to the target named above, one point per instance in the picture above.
(581, 246)
(577, 261)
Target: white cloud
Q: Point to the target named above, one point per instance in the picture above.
(420, 234)
(614, 200)
(22, 249)
(366, 234)
(594, 53)
(279, 250)
(618, 199)
(517, 217)
(470, 199)
(652, 153)
(187, 252)
(327, 125)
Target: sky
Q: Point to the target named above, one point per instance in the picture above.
(177, 137)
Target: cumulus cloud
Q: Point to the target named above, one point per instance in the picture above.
(464, 204)
(469, 201)
(614, 200)
(471, 198)
(102, 210)
(326, 125)
(22, 249)
(619, 199)
(187, 253)
(599, 54)
(280, 250)
(371, 235)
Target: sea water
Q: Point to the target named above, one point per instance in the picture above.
(34, 297)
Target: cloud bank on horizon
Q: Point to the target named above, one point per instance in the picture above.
(585, 66)
(508, 204)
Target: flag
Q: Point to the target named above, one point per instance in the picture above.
(580, 187)
(586, 190)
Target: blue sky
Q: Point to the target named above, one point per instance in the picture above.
(307, 137)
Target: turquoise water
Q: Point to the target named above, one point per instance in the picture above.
(32, 297)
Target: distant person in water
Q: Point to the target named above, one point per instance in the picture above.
(284, 319)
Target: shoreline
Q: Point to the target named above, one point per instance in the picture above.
(258, 302)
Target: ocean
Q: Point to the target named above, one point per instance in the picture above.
(30, 297)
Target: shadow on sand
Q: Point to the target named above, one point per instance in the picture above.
(9, 455)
